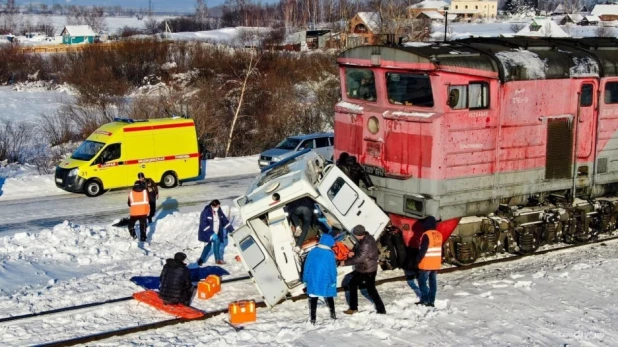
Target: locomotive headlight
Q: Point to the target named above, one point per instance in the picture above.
(373, 125)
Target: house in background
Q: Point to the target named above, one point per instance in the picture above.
(73, 34)
(473, 9)
(606, 13)
(430, 16)
(590, 20)
(437, 6)
(542, 27)
(364, 29)
(571, 19)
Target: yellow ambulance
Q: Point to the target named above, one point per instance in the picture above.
(165, 150)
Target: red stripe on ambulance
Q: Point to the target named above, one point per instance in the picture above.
(156, 159)
(158, 127)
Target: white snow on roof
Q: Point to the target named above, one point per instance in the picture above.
(433, 15)
(372, 20)
(430, 4)
(559, 9)
(593, 18)
(534, 66)
(600, 10)
(584, 66)
(548, 28)
(576, 18)
(79, 30)
(451, 16)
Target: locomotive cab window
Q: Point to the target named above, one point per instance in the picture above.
(409, 89)
(611, 93)
(360, 84)
(586, 95)
(473, 96)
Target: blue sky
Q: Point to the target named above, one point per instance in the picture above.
(158, 5)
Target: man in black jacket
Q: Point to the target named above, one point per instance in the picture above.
(176, 286)
(364, 257)
(357, 173)
(153, 193)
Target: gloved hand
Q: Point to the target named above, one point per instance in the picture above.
(372, 188)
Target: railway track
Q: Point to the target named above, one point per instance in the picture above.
(211, 314)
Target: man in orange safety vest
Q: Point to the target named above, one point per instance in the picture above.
(429, 262)
(139, 208)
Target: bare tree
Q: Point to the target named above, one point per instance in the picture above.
(96, 19)
(151, 26)
(10, 16)
(253, 61)
(201, 13)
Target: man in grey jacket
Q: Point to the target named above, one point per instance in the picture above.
(364, 257)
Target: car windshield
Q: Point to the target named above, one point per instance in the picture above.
(289, 144)
(87, 150)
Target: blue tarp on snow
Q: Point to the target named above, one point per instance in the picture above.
(152, 282)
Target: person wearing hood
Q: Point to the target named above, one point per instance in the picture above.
(139, 208)
(176, 286)
(429, 261)
(213, 230)
(320, 276)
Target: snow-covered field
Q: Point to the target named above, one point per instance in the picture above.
(27, 102)
(565, 298)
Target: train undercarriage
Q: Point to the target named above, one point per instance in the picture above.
(518, 230)
(523, 229)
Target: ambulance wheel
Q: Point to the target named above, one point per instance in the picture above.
(169, 180)
(93, 188)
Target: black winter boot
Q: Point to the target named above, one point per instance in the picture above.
(132, 232)
(313, 306)
(331, 306)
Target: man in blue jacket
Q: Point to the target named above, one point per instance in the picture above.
(320, 275)
(213, 230)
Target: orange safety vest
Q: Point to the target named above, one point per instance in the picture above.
(139, 203)
(433, 258)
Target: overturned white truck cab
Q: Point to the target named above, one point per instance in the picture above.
(270, 249)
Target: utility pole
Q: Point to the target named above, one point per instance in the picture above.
(150, 7)
(445, 23)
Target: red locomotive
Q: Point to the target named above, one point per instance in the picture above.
(510, 142)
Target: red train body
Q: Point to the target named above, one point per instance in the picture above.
(510, 130)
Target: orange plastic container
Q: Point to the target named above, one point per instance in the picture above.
(242, 312)
(207, 288)
(215, 281)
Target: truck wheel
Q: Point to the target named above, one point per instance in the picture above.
(169, 180)
(93, 188)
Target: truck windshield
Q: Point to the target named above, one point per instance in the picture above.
(409, 89)
(87, 150)
(289, 144)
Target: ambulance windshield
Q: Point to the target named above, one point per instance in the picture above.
(87, 150)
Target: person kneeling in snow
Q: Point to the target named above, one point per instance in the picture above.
(320, 275)
(176, 286)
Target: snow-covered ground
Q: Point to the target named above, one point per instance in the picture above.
(564, 298)
(27, 102)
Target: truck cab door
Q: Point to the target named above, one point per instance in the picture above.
(261, 266)
(349, 204)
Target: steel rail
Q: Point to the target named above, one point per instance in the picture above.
(261, 304)
(93, 304)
